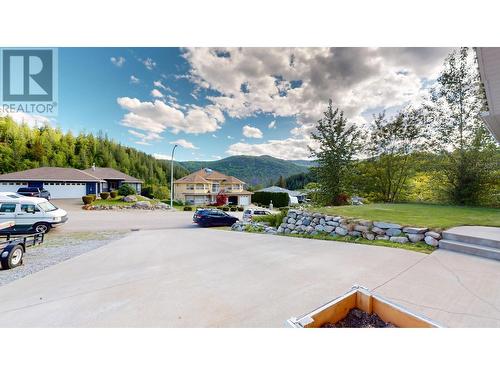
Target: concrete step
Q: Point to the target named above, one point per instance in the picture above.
(475, 237)
(472, 249)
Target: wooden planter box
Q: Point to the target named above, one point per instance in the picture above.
(365, 300)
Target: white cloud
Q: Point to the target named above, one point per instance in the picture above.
(230, 137)
(149, 63)
(156, 93)
(297, 82)
(163, 157)
(118, 61)
(252, 132)
(184, 143)
(26, 118)
(159, 84)
(290, 148)
(214, 136)
(218, 157)
(154, 118)
(272, 124)
(134, 79)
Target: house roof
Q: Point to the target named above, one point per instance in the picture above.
(50, 174)
(111, 174)
(206, 175)
(488, 59)
(277, 189)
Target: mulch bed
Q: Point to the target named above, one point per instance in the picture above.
(357, 318)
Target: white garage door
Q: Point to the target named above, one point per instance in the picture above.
(10, 187)
(244, 200)
(66, 190)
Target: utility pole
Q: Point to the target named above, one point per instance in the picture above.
(172, 179)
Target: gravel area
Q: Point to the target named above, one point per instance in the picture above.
(56, 249)
(357, 318)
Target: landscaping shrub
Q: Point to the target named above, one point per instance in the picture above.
(155, 191)
(104, 195)
(93, 196)
(126, 189)
(87, 199)
(241, 209)
(232, 209)
(225, 208)
(341, 200)
(113, 194)
(188, 208)
(265, 198)
(273, 220)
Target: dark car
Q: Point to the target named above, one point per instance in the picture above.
(213, 218)
(34, 192)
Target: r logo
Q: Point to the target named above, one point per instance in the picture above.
(27, 75)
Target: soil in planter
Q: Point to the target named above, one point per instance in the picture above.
(357, 318)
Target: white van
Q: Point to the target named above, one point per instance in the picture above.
(30, 214)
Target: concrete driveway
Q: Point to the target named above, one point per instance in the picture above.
(193, 277)
(121, 220)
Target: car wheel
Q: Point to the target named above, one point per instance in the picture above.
(41, 227)
(14, 259)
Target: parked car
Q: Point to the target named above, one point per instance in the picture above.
(251, 212)
(34, 192)
(213, 218)
(29, 214)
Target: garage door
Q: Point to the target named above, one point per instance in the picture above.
(10, 186)
(244, 200)
(66, 190)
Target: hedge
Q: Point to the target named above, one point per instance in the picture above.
(126, 189)
(114, 194)
(104, 195)
(188, 208)
(87, 199)
(265, 198)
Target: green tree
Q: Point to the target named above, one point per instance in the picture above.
(391, 144)
(281, 182)
(460, 135)
(337, 143)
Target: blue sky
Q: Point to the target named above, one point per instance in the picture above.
(217, 102)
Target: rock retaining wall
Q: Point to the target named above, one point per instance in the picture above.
(303, 222)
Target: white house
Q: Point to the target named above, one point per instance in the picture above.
(489, 66)
(68, 182)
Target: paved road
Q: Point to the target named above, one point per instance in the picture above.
(121, 220)
(193, 277)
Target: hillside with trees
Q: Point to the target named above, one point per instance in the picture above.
(24, 147)
(254, 170)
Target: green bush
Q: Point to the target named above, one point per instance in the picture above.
(87, 199)
(155, 191)
(93, 196)
(233, 209)
(113, 194)
(241, 209)
(265, 198)
(273, 220)
(126, 189)
(104, 195)
(225, 208)
(188, 208)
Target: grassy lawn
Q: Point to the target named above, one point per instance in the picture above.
(420, 215)
(118, 201)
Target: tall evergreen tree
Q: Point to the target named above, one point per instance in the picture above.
(337, 143)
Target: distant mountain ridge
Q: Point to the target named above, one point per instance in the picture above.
(251, 169)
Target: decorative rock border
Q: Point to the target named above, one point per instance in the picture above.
(140, 205)
(303, 222)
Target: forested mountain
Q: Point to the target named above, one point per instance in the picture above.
(24, 147)
(254, 170)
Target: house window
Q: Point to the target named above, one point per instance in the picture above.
(190, 187)
(199, 186)
(215, 188)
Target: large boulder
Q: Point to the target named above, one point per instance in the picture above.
(130, 198)
(161, 206)
(378, 231)
(415, 230)
(431, 241)
(415, 237)
(142, 204)
(393, 232)
(366, 223)
(329, 228)
(383, 238)
(361, 228)
(399, 239)
(384, 225)
(354, 233)
(369, 236)
(341, 231)
(433, 234)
